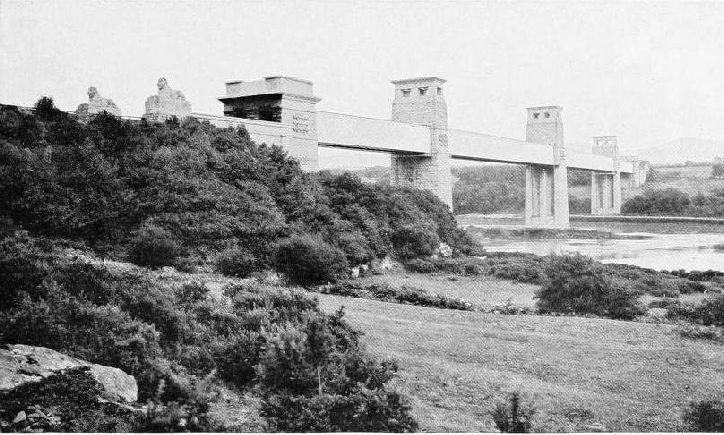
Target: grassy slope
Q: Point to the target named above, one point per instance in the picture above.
(481, 291)
(456, 365)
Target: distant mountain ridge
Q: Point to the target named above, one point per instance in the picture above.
(682, 150)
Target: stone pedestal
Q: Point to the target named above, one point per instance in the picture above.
(167, 104)
(97, 104)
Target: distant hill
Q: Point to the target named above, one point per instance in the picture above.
(683, 150)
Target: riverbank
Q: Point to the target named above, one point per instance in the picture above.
(603, 224)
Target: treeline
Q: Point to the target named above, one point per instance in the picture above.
(187, 192)
(501, 189)
(674, 202)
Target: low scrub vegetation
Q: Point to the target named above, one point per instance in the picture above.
(514, 416)
(709, 312)
(576, 284)
(307, 368)
(387, 293)
(705, 416)
(515, 267)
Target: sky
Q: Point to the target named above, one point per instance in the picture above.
(648, 72)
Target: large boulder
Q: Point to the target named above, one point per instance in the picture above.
(21, 364)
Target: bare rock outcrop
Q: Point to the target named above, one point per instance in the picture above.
(21, 364)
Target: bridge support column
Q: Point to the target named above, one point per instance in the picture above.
(421, 101)
(606, 186)
(546, 194)
(546, 199)
(605, 193)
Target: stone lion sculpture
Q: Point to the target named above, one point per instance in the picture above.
(167, 103)
(97, 104)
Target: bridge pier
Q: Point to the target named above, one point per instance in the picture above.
(606, 186)
(546, 187)
(421, 101)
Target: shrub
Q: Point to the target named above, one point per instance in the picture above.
(315, 377)
(153, 247)
(237, 262)
(387, 293)
(420, 265)
(309, 260)
(576, 284)
(711, 311)
(184, 264)
(24, 264)
(192, 293)
(354, 245)
(698, 332)
(513, 416)
(412, 241)
(516, 267)
(705, 416)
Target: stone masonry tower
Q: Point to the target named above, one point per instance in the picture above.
(279, 101)
(422, 101)
(546, 200)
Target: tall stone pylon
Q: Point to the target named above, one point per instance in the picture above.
(606, 186)
(546, 199)
(422, 101)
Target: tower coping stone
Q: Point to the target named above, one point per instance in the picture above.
(559, 108)
(418, 80)
(270, 85)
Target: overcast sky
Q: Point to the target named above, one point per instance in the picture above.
(648, 72)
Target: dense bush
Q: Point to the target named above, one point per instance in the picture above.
(413, 241)
(576, 284)
(237, 262)
(153, 247)
(307, 386)
(705, 416)
(209, 188)
(310, 260)
(675, 202)
(658, 202)
(709, 312)
(513, 416)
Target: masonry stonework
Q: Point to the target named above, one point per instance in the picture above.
(606, 186)
(286, 102)
(422, 101)
(546, 199)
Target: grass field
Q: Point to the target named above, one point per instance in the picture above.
(455, 365)
(481, 291)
